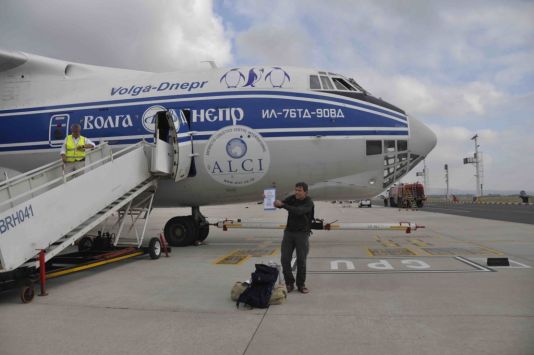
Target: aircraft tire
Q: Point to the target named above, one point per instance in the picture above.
(181, 231)
(154, 248)
(203, 232)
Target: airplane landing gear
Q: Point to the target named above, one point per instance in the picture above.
(183, 231)
(202, 223)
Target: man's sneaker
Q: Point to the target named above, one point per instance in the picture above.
(304, 289)
(290, 288)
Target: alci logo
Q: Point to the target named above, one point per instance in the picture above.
(236, 156)
(234, 78)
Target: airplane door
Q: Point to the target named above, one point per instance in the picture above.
(184, 146)
(172, 154)
(58, 129)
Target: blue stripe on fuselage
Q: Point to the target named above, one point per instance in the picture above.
(206, 115)
(314, 96)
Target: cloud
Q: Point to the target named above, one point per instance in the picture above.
(156, 35)
(464, 67)
(275, 44)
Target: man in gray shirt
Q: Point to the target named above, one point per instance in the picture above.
(296, 235)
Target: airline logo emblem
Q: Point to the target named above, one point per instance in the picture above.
(274, 76)
(149, 118)
(236, 156)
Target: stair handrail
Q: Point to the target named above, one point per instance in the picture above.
(63, 179)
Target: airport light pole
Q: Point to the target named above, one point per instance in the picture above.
(477, 166)
(424, 174)
(446, 167)
(477, 161)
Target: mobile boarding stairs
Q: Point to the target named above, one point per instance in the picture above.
(48, 210)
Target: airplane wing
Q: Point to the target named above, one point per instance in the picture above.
(11, 59)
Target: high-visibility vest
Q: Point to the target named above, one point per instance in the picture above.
(71, 152)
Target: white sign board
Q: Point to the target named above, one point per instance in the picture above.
(269, 196)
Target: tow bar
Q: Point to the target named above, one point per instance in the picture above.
(318, 224)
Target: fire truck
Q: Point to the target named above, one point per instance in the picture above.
(406, 195)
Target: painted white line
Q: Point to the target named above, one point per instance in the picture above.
(472, 263)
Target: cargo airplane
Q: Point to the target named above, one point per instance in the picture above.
(239, 130)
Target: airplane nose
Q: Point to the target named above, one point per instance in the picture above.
(422, 138)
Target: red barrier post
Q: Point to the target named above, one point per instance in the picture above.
(42, 272)
(164, 244)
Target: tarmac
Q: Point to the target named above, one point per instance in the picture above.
(372, 292)
(520, 213)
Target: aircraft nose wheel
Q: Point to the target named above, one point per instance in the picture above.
(181, 231)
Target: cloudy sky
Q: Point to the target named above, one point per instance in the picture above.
(462, 67)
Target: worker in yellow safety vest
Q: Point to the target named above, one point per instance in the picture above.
(73, 149)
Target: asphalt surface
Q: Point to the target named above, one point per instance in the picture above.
(372, 292)
(508, 213)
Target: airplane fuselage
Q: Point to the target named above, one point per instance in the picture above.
(248, 128)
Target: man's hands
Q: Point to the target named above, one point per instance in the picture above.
(278, 203)
(64, 158)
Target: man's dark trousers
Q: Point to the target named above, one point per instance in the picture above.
(292, 241)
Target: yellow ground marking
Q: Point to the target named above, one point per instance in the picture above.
(418, 242)
(493, 251)
(391, 252)
(422, 252)
(233, 258)
(239, 256)
(465, 250)
(92, 265)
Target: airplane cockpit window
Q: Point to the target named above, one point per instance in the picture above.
(327, 85)
(389, 146)
(357, 86)
(315, 84)
(342, 85)
(332, 81)
(373, 147)
(402, 145)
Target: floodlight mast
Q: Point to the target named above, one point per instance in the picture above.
(477, 166)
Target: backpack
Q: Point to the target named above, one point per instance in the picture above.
(258, 294)
(278, 296)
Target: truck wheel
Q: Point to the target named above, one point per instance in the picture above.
(154, 248)
(85, 244)
(392, 202)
